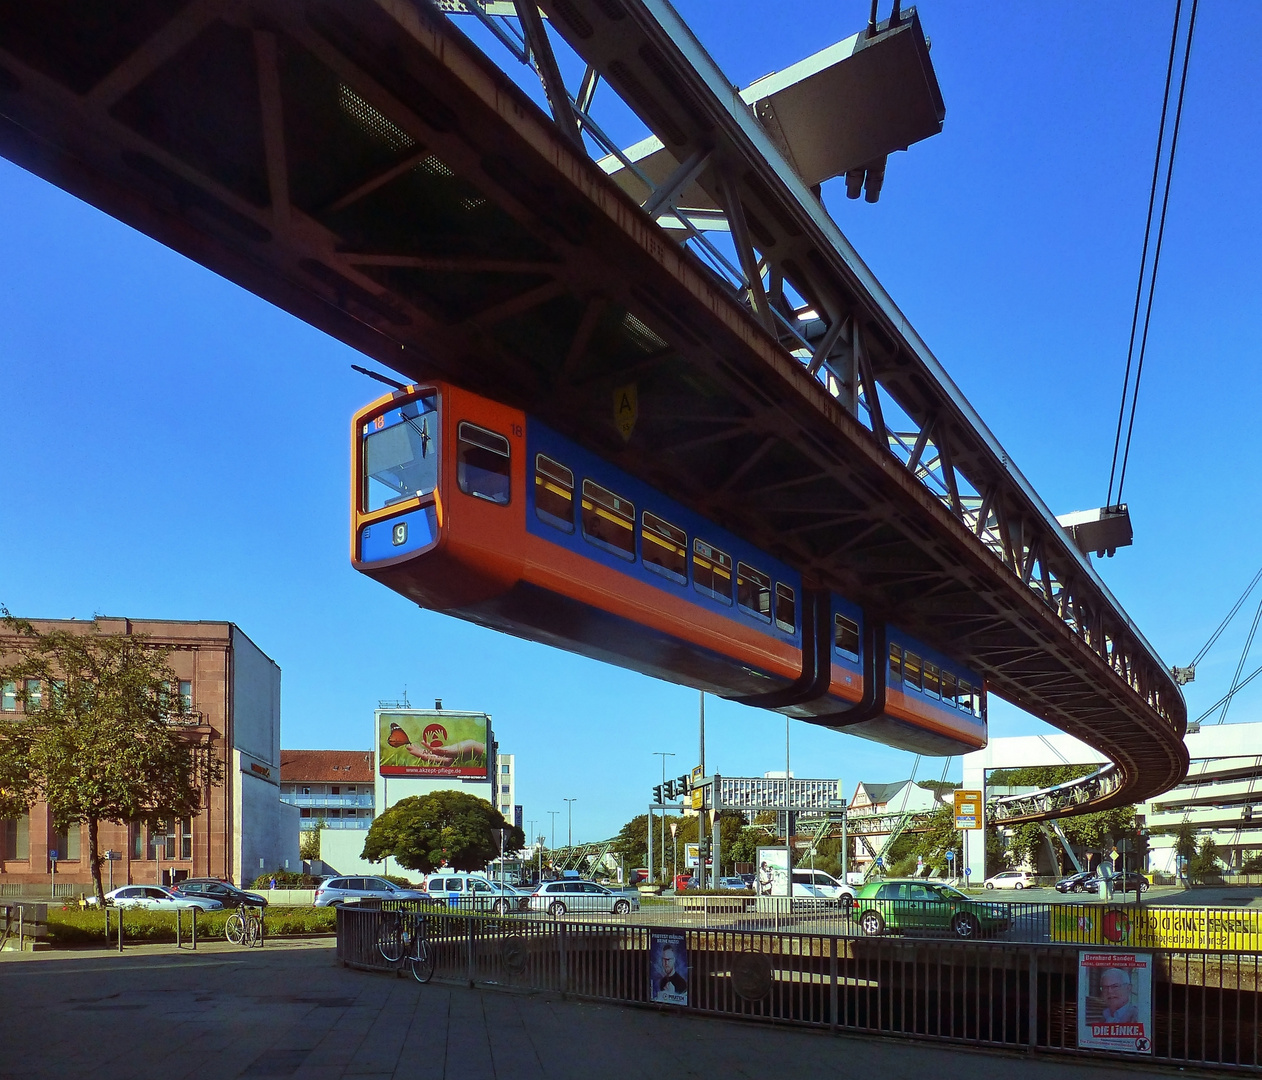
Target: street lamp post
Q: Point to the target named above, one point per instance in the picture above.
(570, 808)
(674, 853)
(553, 815)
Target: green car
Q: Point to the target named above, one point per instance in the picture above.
(914, 904)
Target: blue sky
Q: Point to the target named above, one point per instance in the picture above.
(174, 447)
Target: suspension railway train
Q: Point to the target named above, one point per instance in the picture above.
(477, 510)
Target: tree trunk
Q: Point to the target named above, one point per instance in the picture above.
(94, 859)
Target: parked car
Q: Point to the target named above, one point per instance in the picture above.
(351, 890)
(581, 897)
(733, 884)
(1011, 879)
(156, 898)
(1075, 882)
(826, 887)
(1121, 882)
(473, 892)
(225, 892)
(913, 904)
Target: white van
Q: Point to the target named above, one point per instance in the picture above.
(472, 891)
(817, 883)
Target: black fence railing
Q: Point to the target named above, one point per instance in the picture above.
(1195, 1007)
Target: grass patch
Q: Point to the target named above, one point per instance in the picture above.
(72, 926)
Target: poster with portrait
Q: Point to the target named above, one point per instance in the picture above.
(1115, 1001)
(771, 875)
(668, 968)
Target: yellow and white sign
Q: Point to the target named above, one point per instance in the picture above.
(1208, 929)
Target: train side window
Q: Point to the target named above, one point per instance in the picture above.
(966, 696)
(896, 661)
(664, 548)
(911, 670)
(608, 520)
(554, 493)
(753, 592)
(482, 463)
(711, 571)
(933, 682)
(786, 608)
(846, 638)
(950, 689)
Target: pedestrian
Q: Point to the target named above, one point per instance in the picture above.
(272, 883)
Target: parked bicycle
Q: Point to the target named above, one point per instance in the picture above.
(401, 939)
(245, 927)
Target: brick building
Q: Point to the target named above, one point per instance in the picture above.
(233, 691)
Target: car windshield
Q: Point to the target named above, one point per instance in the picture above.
(948, 893)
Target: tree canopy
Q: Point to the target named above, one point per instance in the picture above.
(444, 828)
(103, 737)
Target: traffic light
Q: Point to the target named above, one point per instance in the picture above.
(657, 793)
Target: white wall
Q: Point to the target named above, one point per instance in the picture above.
(339, 852)
(264, 828)
(255, 701)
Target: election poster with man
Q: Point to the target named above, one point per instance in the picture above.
(668, 968)
(1115, 1001)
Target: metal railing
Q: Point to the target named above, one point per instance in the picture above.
(1206, 1007)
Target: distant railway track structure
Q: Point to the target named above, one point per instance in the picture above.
(363, 165)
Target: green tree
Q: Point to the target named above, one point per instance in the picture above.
(106, 740)
(309, 847)
(1206, 863)
(632, 842)
(424, 832)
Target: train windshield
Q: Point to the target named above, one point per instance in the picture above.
(401, 454)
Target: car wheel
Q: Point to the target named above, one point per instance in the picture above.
(991, 885)
(501, 907)
(621, 907)
(965, 925)
(871, 923)
(1019, 885)
(556, 908)
(846, 903)
(1076, 887)
(1144, 886)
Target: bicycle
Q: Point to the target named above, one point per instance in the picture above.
(244, 927)
(401, 939)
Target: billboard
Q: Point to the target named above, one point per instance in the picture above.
(1115, 1001)
(433, 743)
(772, 875)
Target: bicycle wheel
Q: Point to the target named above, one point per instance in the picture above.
(390, 938)
(422, 961)
(253, 931)
(234, 928)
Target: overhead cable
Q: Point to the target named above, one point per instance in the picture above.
(1235, 679)
(1223, 625)
(1145, 274)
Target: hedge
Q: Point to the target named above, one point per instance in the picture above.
(73, 926)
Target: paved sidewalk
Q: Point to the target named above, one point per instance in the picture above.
(289, 1011)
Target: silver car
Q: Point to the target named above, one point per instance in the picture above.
(581, 897)
(351, 890)
(473, 893)
(155, 898)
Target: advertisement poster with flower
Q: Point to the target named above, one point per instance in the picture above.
(432, 744)
(1115, 1001)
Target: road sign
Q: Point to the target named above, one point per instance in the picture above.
(1125, 846)
(697, 774)
(968, 809)
(950, 856)
(698, 798)
(968, 871)
(53, 855)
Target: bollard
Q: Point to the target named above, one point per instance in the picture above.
(194, 930)
(262, 926)
(178, 921)
(107, 927)
(21, 912)
(120, 929)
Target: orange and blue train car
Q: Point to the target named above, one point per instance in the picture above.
(472, 508)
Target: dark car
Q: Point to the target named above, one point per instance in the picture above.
(214, 889)
(1075, 882)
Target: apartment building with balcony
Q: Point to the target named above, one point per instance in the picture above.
(330, 788)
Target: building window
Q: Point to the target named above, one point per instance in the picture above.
(335, 790)
(504, 789)
(34, 695)
(9, 697)
(185, 827)
(306, 791)
(137, 833)
(506, 769)
(305, 812)
(186, 694)
(15, 836)
(65, 844)
(350, 790)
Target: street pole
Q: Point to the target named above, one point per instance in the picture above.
(570, 808)
(845, 846)
(788, 818)
(663, 755)
(553, 813)
(701, 874)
